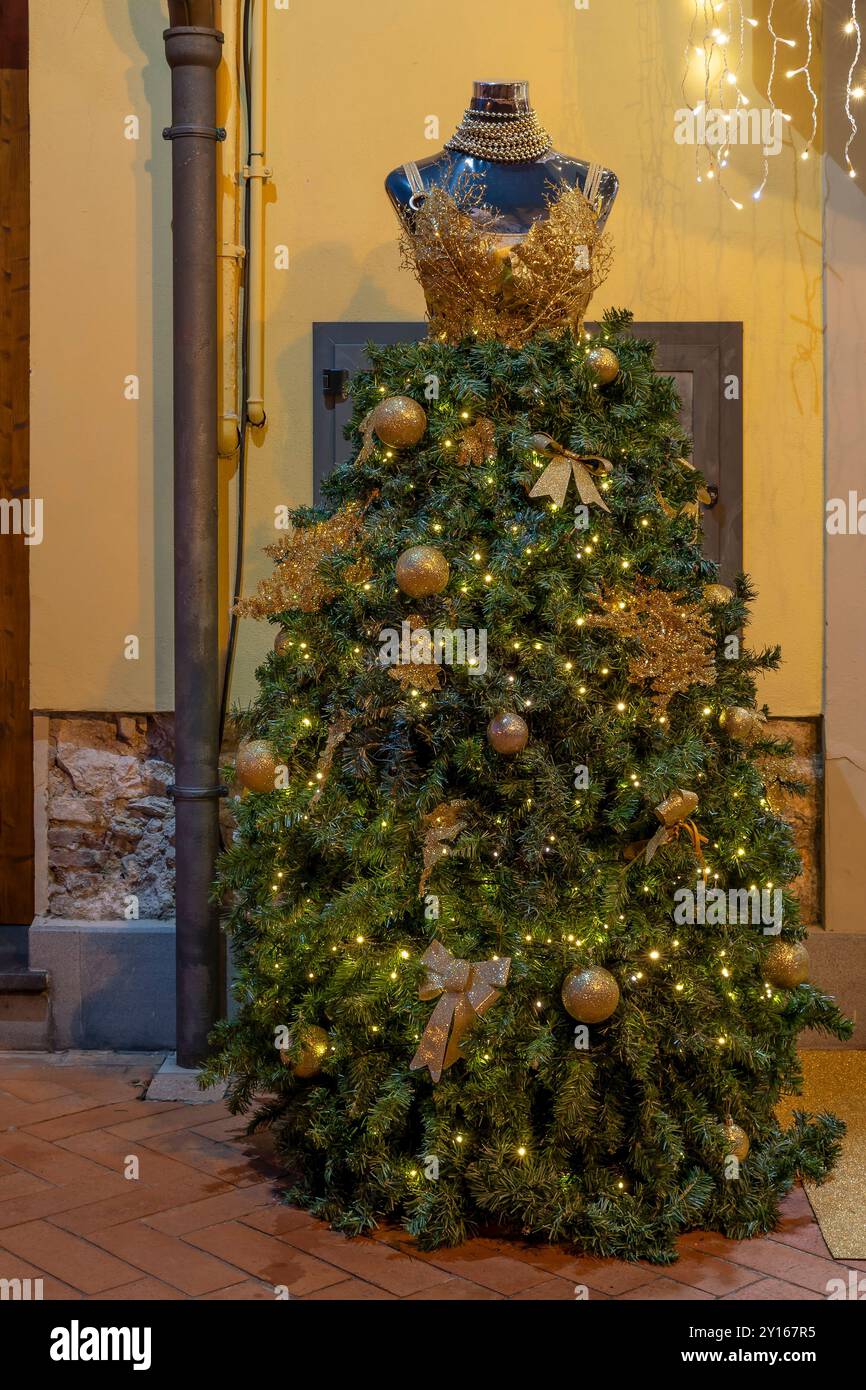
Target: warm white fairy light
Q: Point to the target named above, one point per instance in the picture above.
(852, 27)
(804, 70)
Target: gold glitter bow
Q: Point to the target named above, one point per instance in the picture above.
(468, 989)
(557, 475)
(675, 814)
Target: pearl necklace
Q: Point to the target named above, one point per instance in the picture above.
(506, 137)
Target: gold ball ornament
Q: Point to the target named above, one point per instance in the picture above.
(507, 734)
(736, 1141)
(399, 421)
(742, 724)
(256, 765)
(604, 365)
(314, 1045)
(786, 963)
(281, 641)
(717, 593)
(590, 995)
(422, 571)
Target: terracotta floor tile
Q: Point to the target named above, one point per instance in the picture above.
(664, 1290)
(351, 1290)
(20, 1114)
(785, 1262)
(265, 1257)
(51, 1199)
(167, 1257)
(278, 1219)
(150, 1290)
(29, 1086)
(45, 1160)
(137, 1201)
(230, 1129)
(558, 1290)
(155, 1168)
(804, 1235)
(17, 1183)
(12, 1266)
(167, 1119)
(95, 1117)
(228, 1162)
(370, 1260)
(234, 1204)
(66, 1257)
(707, 1272)
(457, 1291)
(773, 1291)
(604, 1276)
(249, 1290)
(505, 1274)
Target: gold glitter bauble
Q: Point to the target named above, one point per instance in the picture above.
(742, 724)
(281, 641)
(422, 571)
(314, 1045)
(256, 765)
(399, 421)
(507, 733)
(590, 995)
(786, 963)
(736, 1141)
(717, 593)
(604, 365)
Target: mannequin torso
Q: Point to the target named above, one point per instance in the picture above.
(517, 193)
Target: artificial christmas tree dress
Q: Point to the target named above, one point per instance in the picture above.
(485, 972)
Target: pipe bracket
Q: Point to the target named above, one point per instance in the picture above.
(197, 793)
(207, 132)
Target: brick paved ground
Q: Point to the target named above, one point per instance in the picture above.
(203, 1219)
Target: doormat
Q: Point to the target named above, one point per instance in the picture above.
(836, 1081)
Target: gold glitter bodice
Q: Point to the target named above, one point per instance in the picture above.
(478, 284)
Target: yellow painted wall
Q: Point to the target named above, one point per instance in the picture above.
(348, 95)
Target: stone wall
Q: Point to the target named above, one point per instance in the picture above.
(110, 820)
(805, 814)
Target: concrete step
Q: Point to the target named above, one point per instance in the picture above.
(25, 1007)
(25, 1011)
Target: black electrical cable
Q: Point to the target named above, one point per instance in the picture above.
(231, 644)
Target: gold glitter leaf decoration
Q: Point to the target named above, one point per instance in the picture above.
(295, 582)
(441, 827)
(477, 443)
(675, 651)
(476, 287)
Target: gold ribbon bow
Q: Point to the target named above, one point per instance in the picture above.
(675, 814)
(468, 989)
(557, 475)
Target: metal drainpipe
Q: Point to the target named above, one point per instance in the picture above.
(193, 54)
